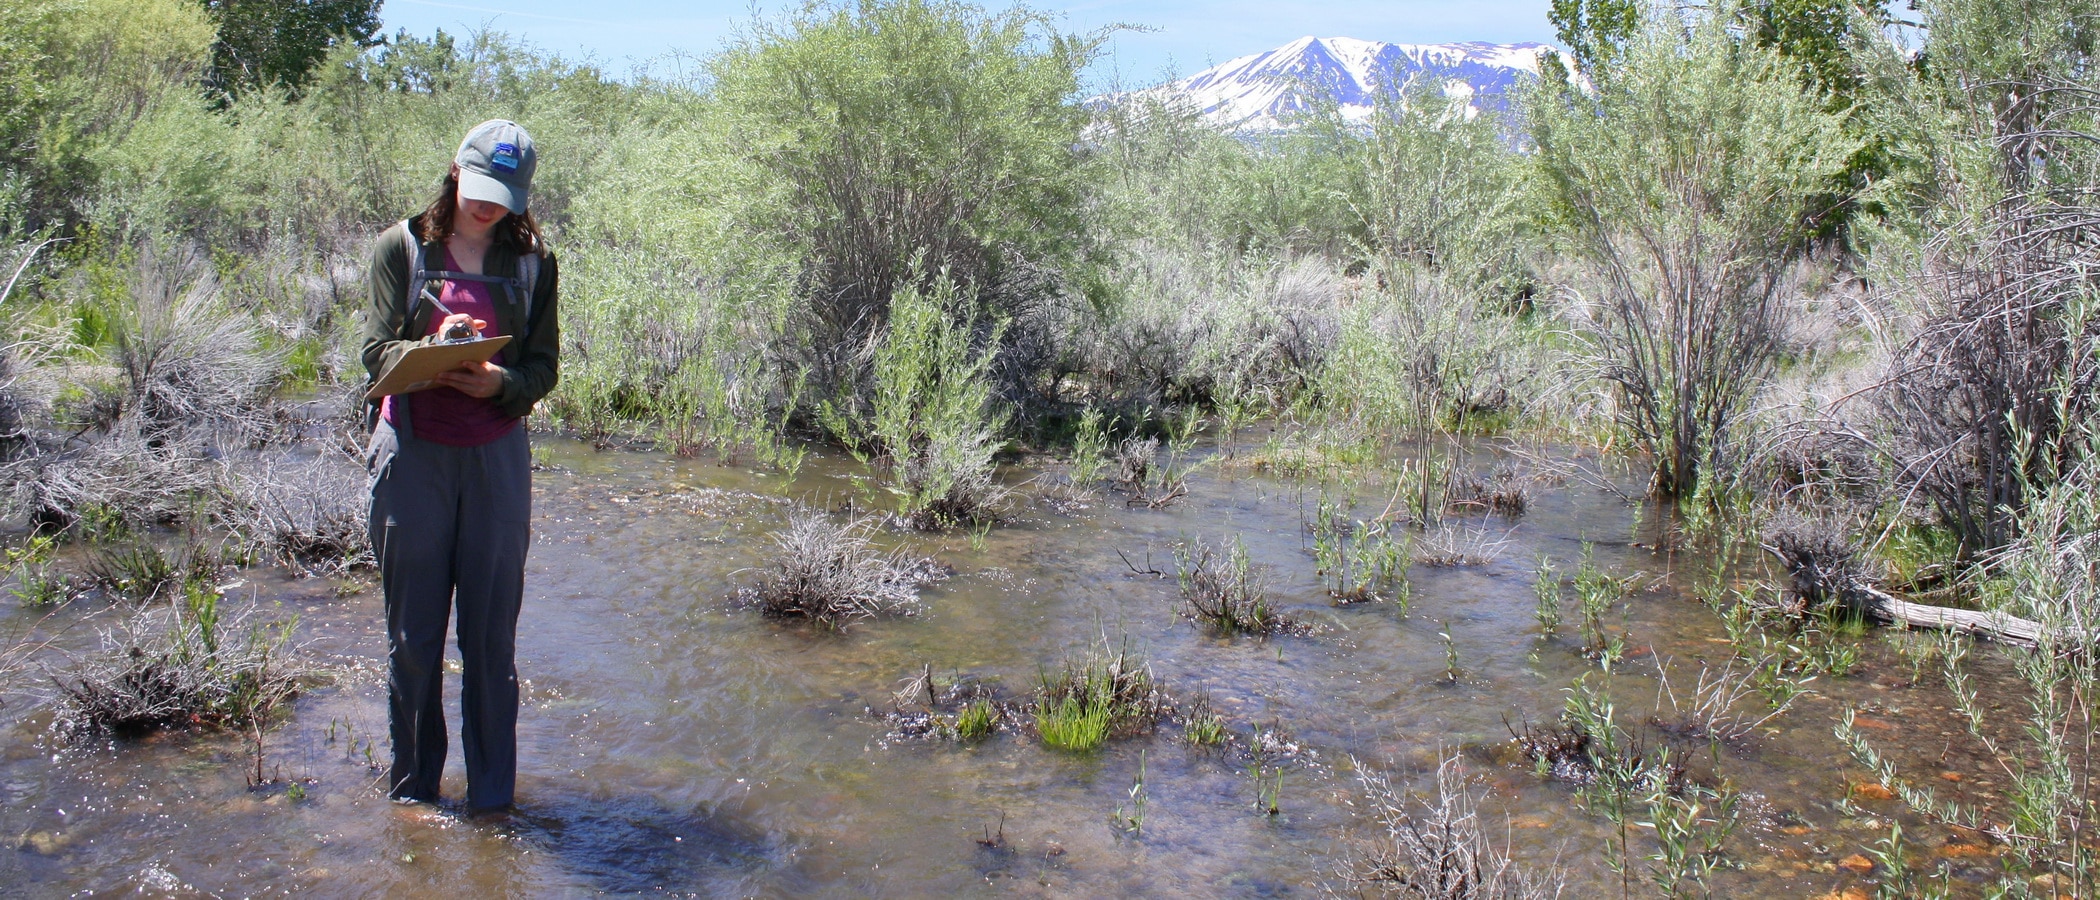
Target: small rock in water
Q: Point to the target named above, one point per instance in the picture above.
(1959, 850)
(44, 843)
(1867, 790)
(2049, 883)
(1856, 863)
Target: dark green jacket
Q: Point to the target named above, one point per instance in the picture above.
(531, 366)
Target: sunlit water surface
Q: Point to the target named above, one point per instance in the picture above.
(672, 742)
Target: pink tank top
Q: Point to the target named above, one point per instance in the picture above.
(443, 415)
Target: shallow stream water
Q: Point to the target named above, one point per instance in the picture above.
(672, 742)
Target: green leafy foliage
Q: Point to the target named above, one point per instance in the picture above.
(1093, 697)
(931, 426)
(265, 43)
(1596, 32)
(901, 141)
(1684, 181)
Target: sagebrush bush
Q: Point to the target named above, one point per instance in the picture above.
(182, 378)
(830, 573)
(191, 370)
(304, 510)
(1247, 332)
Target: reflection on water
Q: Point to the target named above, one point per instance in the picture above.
(673, 743)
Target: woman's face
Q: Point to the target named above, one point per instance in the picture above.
(476, 218)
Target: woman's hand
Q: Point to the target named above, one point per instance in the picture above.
(458, 320)
(474, 379)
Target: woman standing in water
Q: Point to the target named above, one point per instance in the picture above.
(451, 471)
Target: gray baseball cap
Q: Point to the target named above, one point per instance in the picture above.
(495, 164)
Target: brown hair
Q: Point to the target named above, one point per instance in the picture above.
(518, 229)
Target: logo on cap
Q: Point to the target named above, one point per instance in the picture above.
(505, 159)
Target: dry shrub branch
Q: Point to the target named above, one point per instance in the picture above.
(830, 573)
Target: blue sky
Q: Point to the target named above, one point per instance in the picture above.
(1189, 35)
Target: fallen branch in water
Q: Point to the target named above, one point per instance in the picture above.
(1997, 625)
(1882, 606)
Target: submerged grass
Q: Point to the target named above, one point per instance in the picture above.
(1089, 699)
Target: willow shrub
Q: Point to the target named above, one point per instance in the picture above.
(653, 346)
(1423, 355)
(931, 427)
(2051, 576)
(1169, 181)
(1683, 180)
(892, 133)
(1431, 185)
(93, 75)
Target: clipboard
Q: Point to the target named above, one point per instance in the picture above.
(417, 369)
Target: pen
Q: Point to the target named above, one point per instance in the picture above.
(440, 304)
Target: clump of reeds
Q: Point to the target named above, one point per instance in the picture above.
(1588, 747)
(139, 571)
(1460, 544)
(1092, 698)
(1435, 847)
(1714, 710)
(1361, 562)
(1150, 480)
(180, 665)
(829, 572)
(1201, 725)
(1225, 590)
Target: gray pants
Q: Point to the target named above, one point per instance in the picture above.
(450, 526)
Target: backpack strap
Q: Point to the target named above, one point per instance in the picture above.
(420, 276)
(522, 289)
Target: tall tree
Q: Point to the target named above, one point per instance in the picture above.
(1596, 31)
(1822, 38)
(278, 42)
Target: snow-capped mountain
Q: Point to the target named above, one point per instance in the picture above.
(1263, 91)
